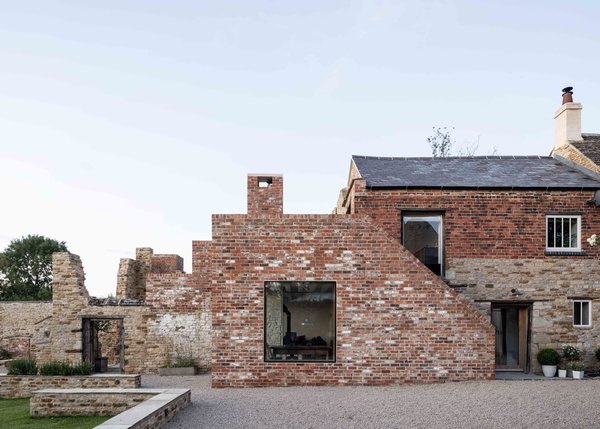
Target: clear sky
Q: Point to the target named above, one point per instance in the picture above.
(126, 124)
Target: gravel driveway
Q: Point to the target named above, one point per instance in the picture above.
(486, 404)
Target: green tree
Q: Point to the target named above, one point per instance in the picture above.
(26, 268)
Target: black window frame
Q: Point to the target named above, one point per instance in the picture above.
(334, 339)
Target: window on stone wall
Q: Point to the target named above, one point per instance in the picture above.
(582, 313)
(299, 321)
(563, 233)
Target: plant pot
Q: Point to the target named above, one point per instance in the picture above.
(577, 375)
(549, 370)
(562, 373)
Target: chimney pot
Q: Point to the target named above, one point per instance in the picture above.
(567, 95)
(567, 120)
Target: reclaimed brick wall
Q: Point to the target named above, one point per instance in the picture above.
(266, 200)
(18, 324)
(396, 322)
(494, 241)
(487, 223)
(161, 264)
(550, 284)
(22, 386)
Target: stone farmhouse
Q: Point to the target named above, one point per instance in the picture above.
(429, 269)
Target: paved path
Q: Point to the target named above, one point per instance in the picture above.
(491, 404)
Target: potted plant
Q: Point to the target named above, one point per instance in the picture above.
(562, 370)
(577, 368)
(549, 359)
(571, 354)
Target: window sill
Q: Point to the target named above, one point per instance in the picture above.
(565, 253)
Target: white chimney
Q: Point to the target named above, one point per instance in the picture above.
(567, 120)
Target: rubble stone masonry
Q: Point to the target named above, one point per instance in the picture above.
(18, 322)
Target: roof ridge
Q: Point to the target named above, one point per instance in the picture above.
(441, 158)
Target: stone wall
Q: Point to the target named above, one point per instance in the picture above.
(395, 321)
(174, 319)
(22, 386)
(180, 322)
(573, 154)
(550, 285)
(85, 402)
(18, 324)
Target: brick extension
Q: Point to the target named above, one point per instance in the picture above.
(395, 321)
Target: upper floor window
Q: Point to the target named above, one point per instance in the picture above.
(422, 236)
(582, 313)
(563, 233)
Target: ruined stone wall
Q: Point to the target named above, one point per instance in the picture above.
(395, 322)
(69, 296)
(127, 280)
(70, 306)
(180, 323)
(176, 317)
(18, 322)
(550, 285)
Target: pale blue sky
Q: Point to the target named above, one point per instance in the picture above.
(127, 123)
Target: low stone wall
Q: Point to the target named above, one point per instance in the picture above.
(86, 402)
(138, 408)
(22, 386)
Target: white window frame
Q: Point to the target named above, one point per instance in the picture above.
(564, 249)
(580, 302)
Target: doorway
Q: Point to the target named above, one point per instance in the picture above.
(512, 326)
(103, 344)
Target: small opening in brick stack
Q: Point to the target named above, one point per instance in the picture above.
(265, 182)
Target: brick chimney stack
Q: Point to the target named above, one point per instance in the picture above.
(265, 194)
(567, 120)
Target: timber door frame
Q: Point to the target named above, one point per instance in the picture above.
(524, 322)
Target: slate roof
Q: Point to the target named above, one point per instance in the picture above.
(506, 172)
(590, 147)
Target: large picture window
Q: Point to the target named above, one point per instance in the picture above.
(563, 233)
(422, 236)
(300, 321)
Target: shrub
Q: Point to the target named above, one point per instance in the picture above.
(577, 366)
(598, 354)
(84, 368)
(22, 367)
(182, 362)
(548, 357)
(4, 354)
(571, 352)
(65, 368)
